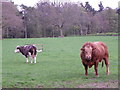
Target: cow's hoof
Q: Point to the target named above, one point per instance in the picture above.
(108, 73)
(86, 75)
(97, 75)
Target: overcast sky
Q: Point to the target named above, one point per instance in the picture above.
(106, 3)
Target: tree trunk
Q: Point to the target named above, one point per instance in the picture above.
(74, 32)
(61, 33)
(25, 31)
(7, 33)
(53, 33)
(81, 32)
(0, 33)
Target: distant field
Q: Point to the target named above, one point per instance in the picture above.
(59, 66)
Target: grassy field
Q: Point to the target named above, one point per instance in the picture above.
(59, 66)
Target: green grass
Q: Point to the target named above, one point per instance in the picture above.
(58, 66)
(0, 64)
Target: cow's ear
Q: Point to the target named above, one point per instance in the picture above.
(82, 49)
(18, 46)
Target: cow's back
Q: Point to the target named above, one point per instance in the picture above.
(102, 49)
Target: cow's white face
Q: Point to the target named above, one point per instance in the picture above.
(17, 50)
(88, 52)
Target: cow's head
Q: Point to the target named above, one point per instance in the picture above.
(17, 50)
(87, 50)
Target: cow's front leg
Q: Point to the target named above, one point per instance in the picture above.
(96, 69)
(26, 59)
(86, 69)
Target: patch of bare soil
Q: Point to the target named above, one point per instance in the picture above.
(110, 84)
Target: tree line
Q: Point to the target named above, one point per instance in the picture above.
(51, 19)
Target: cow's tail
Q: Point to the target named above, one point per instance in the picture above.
(39, 50)
(102, 63)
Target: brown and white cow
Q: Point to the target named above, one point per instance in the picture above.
(92, 53)
(28, 51)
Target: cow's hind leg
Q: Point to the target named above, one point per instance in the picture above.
(35, 59)
(96, 69)
(31, 57)
(107, 65)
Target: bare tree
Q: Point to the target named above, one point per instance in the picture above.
(12, 23)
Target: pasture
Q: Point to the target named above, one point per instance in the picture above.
(58, 66)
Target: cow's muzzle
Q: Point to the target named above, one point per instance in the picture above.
(88, 58)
